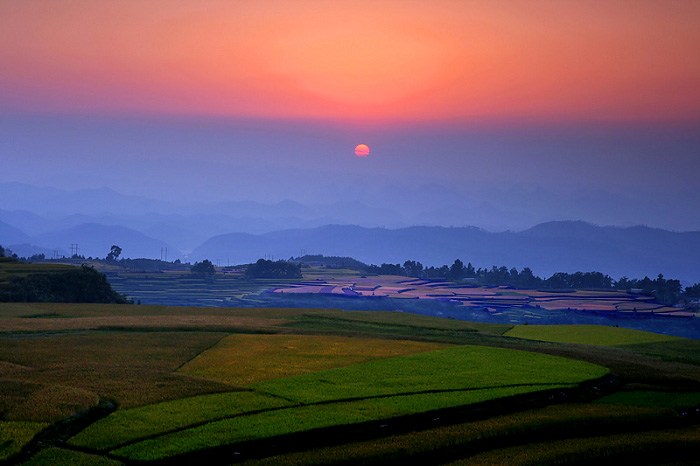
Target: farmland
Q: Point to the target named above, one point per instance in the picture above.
(587, 334)
(305, 386)
(350, 290)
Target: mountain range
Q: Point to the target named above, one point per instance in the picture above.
(563, 246)
(35, 220)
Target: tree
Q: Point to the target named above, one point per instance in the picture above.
(470, 272)
(80, 285)
(457, 270)
(114, 253)
(269, 269)
(413, 269)
(693, 291)
(204, 269)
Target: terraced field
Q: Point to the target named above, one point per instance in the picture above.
(587, 335)
(376, 390)
(310, 386)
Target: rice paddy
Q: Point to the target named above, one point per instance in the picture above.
(449, 369)
(587, 334)
(16, 435)
(246, 359)
(193, 383)
(127, 425)
(441, 444)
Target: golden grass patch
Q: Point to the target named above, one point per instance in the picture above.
(134, 368)
(587, 334)
(247, 359)
(36, 403)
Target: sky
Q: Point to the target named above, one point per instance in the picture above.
(496, 114)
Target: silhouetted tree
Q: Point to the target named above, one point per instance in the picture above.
(114, 253)
(693, 291)
(413, 269)
(80, 285)
(204, 269)
(457, 270)
(269, 269)
(470, 272)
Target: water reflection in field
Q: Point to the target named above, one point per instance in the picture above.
(679, 326)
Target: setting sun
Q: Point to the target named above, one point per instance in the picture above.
(362, 150)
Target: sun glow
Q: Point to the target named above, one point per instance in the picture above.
(362, 150)
(364, 60)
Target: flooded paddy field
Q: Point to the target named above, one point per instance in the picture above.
(425, 297)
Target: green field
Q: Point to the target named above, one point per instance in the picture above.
(429, 380)
(450, 369)
(127, 425)
(186, 380)
(63, 457)
(246, 359)
(307, 418)
(16, 435)
(587, 334)
(447, 442)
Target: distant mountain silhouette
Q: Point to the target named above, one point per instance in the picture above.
(46, 201)
(546, 248)
(11, 235)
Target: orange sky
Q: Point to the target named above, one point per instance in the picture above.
(616, 60)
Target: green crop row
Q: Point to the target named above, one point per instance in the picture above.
(456, 368)
(16, 435)
(587, 334)
(124, 426)
(61, 457)
(457, 375)
(557, 420)
(305, 418)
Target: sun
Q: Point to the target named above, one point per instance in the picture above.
(362, 150)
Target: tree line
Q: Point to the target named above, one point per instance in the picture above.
(80, 285)
(666, 291)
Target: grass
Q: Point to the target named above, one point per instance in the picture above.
(676, 400)
(132, 368)
(247, 359)
(456, 368)
(10, 310)
(658, 447)
(127, 425)
(390, 387)
(10, 268)
(141, 359)
(305, 418)
(587, 334)
(14, 436)
(404, 319)
(681, 350)
(61, 457)
(337, 323)
(33, 402)
(561, 420)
